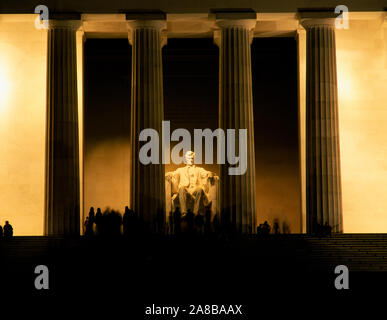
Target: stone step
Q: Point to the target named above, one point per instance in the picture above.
(358, 251)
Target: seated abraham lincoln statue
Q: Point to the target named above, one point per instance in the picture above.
(191, 188)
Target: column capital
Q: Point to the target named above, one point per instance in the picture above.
(233, 19)
(153, 20)
(312, 17)
(65, 21)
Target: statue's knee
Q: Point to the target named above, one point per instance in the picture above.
(198, 190)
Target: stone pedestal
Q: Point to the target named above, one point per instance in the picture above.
(237, 192)
(323, 174)
(62, 206)
(147, 185)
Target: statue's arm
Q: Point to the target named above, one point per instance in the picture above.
(206, 174)
(175, 181)
(173, 177)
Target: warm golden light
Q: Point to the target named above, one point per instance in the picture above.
(22, 123)
(5, 88)
(106, 176)
(362, 79)
(345, 86)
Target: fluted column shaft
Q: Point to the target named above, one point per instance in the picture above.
(323, 174)
(62, 207)
(237, 192)
(147, 111)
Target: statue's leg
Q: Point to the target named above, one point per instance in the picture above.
(183, 199)
(199, 197)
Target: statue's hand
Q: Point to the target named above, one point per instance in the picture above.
(168, 176)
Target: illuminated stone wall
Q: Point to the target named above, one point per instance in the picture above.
(22, 123)
(362, 88)
(23, 55)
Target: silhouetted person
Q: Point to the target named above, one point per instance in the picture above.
(1, 232)
(216, 224)
(263, 229)
(170, 222)
(266, 228)
(317, 229)
(116, 223)
(177, 220)
(110, 224)
(86, 226)
(98, 221)
(327, 229)
(189, 219)
(8, 230)
(199, 223)
(207, 225)
(90, 223)
(276, 227)
(126, 221)
(285, 228)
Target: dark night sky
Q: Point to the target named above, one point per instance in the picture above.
(191, 101)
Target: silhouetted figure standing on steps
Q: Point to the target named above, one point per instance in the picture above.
(177, 220)
(190, 220)
(263, 229)
(1, 232)
(327, 230)
(126, 221)
(86, 226)
(8, 231)
(98, 221)
(266, 228)
(199, 223)
(170, 223)
(90, 223)
(276, 227)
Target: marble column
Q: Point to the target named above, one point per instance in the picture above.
(147, 183)
(237, 192)
(323, 174)
(62, 207)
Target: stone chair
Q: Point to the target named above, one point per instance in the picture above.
(211, 189)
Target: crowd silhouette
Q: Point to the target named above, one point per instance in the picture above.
(107, 223)
(6, 232)
(112, 223)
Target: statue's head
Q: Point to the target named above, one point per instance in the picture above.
(189, 157)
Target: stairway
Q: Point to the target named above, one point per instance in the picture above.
(24, 249)
(359, 252)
